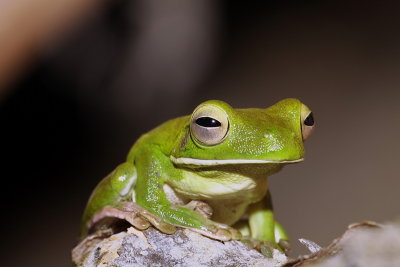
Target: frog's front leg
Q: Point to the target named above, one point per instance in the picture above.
(111, 200)
(263, 226)
(152, 173)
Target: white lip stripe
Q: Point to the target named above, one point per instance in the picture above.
(213, 162)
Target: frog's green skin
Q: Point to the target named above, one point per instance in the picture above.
(168, 167)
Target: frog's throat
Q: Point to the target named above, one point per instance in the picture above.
(215, 162)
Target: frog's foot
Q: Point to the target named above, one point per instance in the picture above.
(266, 247)
(284, 245)
(200, 207)
(219, 231)
(132, 213)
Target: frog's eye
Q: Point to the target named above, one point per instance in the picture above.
(307, 121)
(209, 125)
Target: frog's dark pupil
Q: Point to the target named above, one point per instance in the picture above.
(208, 122)
(309, 121)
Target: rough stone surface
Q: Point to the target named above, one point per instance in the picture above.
(363, 244)
(184, 248)
(367, 247)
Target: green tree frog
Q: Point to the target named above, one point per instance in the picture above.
(206, 172)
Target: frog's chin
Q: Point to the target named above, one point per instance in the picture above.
(216, 162)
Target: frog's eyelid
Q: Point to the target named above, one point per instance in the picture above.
(213, 162)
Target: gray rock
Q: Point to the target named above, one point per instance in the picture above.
(153, 248)
(372, 247)
(363, 244)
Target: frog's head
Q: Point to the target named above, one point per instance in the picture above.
(217, 134)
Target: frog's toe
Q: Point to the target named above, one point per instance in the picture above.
(139, 222)
(284, 245)
(143, 218)
(164, 227)
(109, 216)
(200, 207)
(236, 235)
(222, 226)
(129, 206)
(251, 242)
(225, 233)
(158, 223)
(218, 234)
(266, 248)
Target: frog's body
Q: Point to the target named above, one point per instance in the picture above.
(220, 156)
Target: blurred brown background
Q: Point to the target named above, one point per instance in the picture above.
(76, 95)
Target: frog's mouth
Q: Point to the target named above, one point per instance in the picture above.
(215, 162)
